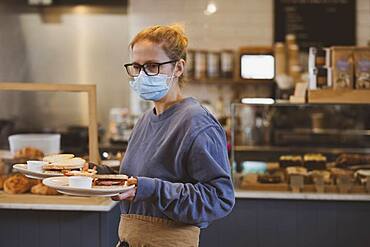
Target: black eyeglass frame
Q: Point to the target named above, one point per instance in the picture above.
(142, 67)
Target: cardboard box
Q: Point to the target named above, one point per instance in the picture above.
(342, 67)
(361, 57)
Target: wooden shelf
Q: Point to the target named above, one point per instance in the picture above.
(333, 150)
(308, 188)
(223, 81)
(344, 96)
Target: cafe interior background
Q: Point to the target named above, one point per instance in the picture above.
(88, 45)
(86, 42)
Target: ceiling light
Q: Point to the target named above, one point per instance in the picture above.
(211, 8)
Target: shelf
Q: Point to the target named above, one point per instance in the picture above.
(299, 149)
(336, 132)
(223, 81)
(345, 96)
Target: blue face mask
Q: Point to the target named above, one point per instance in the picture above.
(150, 87)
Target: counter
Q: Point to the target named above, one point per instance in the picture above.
(301, 196)
(289, 219)
(41, 221)
(258, 219)
(60, 202)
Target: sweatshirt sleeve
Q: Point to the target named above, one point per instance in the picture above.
(210, 197)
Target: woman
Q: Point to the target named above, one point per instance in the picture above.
(177, 151)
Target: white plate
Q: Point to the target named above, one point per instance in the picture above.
(61, 184)
(85, 194)
(22, 168)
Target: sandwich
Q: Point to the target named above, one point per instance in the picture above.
(58, 158)
(105, 180)
(85, 171)
(64, 166)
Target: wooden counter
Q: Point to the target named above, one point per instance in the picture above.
(60, 202)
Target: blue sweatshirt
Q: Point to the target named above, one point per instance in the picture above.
(180, 159)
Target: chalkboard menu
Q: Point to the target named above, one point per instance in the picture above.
(316, 22)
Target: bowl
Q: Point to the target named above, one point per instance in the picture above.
(35, 165)
(80, 182)
(47, 143)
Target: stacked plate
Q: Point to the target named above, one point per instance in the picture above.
(22, 168)
(61, 184)
(54, 168)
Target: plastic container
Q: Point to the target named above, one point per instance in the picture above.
(47, 143)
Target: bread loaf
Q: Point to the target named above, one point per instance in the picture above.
(17, 184)
(42, 189)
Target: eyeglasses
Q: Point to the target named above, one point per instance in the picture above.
(151, 69)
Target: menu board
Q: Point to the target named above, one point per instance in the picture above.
(316, 22)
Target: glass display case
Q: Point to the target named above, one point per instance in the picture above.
(284, 147)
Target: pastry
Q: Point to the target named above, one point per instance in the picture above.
(296, 170)
(17, 184)
(29, 153)
(42, 189)
(2, 166)
(336, 172)
(339, 172)
(269, 178)
(34, 182)
(290, 160)
(362, 176)
(58, 158)
(348, 160)
(314, 162)
(2, 179)
(326, 176)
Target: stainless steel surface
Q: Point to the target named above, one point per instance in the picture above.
(78, 44)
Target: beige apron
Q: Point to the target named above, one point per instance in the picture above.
(146, 231)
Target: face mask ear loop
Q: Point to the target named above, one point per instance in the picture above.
(171, 78)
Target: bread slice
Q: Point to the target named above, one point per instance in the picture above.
(88, 173)
(111, 176)
(71, 162)
(58, 157)
(110, 180)
(60, 167)
(75, 163)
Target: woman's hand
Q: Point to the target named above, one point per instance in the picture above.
(128, 195)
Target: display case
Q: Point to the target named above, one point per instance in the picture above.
(301, 147)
